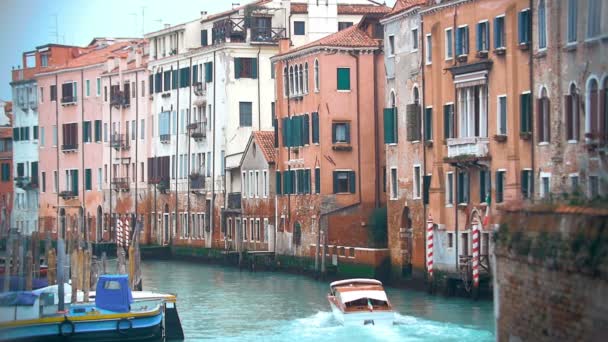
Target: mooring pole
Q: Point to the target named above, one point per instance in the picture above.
(60, 274)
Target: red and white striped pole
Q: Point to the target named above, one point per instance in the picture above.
(119, 232)
(429, 246)
(475, 252)
(127, 232)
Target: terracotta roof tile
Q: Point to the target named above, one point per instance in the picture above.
(350, 37)
(297, 8)
(95, 55)
(363, 9)
(404, 5)
(265, 140)
(234, 10)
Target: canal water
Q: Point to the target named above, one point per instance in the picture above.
(225, 304)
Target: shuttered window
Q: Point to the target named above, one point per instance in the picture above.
(343, 78)
(499, 32)
(426, 186)
(86, 131)
(6, 172)
(463, 187)
(344, 182)
(70, 136)
(524, 110)
(150, 84)
(209, 72)
(315, 127)
(390, 125)
(485, 185)
(184, 77)
(526, 183)
(317, 181)
(245, 68)
(413, 122)
(500, 186)
(428, 124)
(97, 130)
(448, 121)
(278, 183)
(167, 80)
(483, 36)
(462, 41)
(88, 179)
(523, 27)
(543, 116)
(204, 38)
(158, 82)
(195, 74)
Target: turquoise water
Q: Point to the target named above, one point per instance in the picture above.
(223, 304)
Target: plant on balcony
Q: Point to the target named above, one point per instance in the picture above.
(500, 138)
(163, 186)
(525, 135)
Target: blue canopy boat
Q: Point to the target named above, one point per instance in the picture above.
(113, 317)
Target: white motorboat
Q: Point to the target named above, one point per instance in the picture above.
(360, 302)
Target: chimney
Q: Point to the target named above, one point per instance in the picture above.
(203, 15)
(284, 44)
(235, 5)
(122, 63)
(110, 64)
(138, 54)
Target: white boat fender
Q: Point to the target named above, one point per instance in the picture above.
(66, 323)
(121, 330)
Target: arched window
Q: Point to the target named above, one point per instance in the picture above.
(285, 81)
(542, 25)
(572, 114)
(591, 120)
(544, 117)
(393, 100)
(296, 73)
(291, 81)
(604, 111)
(306, 80)
(416, 96)
(301, 79)
(316, 72)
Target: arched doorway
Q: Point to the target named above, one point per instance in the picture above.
(62, 223)
(405, 235)
(99, 224)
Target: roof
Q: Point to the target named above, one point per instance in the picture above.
(363, 9)
(404, 5)
(235, 9)
(265, 140)
(92, 55)
(355, 281)
(297, 8)
(352, 37)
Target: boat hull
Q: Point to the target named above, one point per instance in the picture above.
(374, 318)
(124, 329)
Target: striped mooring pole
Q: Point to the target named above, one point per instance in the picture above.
(127, 229)
(429, 246)
(476, 226)
(119, 232)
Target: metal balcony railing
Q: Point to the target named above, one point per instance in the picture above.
(267, 34)
(71, 147)
(197, 181)
(198, 130)
(119, 141)
(67, 194)
(68, 99)
(120, 183)
(165, 138)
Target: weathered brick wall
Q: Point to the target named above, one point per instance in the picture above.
(552, 275)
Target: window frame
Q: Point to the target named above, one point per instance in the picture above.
(449, 191)
(391, 45)
(338, 69)
(503, 32)
(295, 28)
(417, 187)
(414, 36)
(499, 127)
(449, 45)
(542, 10)
(428, 49)
(544, 175)
(394, 183)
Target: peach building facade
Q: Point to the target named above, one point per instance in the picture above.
(329, 145)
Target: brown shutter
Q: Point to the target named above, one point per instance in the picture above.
(569, 117)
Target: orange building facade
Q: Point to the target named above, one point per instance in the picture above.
(330, 146)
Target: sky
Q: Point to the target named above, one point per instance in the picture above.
(25, 24)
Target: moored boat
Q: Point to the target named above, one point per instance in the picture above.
(360, 302)
(113, 317)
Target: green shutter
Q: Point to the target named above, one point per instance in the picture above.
(75, 182)
(286, 183)
(307, 181)
(195, 74)
(278, 183)
(428, 124)
(296, 128)
(335, 181)
(15, 134)
(389, 125)
(524, 183)
(237, 68)
(315, 127)
(347, 132)
(352, 182)
(209, 72)
(254, 68)
(525, 119)
(87, 179)
(333, 133)
(306, 131)
(343, 79)
(426, 186)
(317, 180)
(499, 187)
(292, 176)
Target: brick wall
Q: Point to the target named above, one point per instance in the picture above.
(552, 275)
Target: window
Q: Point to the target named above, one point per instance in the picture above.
(502, 115)
(98, 87)
(299, 28)
(544, 119)
(245, 114)
(316, 72)
(449, 188)
(572, 114)
(542, 25)
(499, 32)
(97, 130)
(572, 20)
(390, 124)
(68, 92)
(594, 18)
(391, 45)
(394, 184)
(545, 185)
(449, 43)
(204, 38)
(341, 132)
(70, 136)
(594, 186)
(463, 187)
(142, 130)
(344, 25)
(483, 36)
(417, 182)
(100, 179)
(485, 186)
(54, 135)
(41, 94)
(526, 183)
(86, 131)
(55, 181)
(344, 182)
(525, 110)
(473, 116)
(257, 183)
(413, 117)
(265, 183)
(44, 60)
(414, 39)
(245, 68)
(305, 78)
(6, 172)
(429, 49)
(53, 92)
(428, 124)
(317, 180)
(105, 132)
(209, 72)
(462, 41)
(524, 27)
(450, 240)
(88, 88)
(449, 127)
(500, 186)
(343, 79)
(88, 180)
(43, 185)
(574, 183)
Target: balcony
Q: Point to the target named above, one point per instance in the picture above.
(68, 100)
(73, 147)
(68, 194)
(197, 182)
(234, 200)
(120, 100)
(198, 130)
(26, 183)
(165, 138)
(469, 149)
(119, 141)
(120, 184)
(267, 34)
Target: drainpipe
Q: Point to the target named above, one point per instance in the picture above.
(176, 157)
(110, 161)
(288, 218)
(421, 102)
(531, 63)
(259, 105)
(57, 153)
(456, 168)
(376, 135)
(137, 128)
(84, 207)
(189, 116)
(211, 221)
